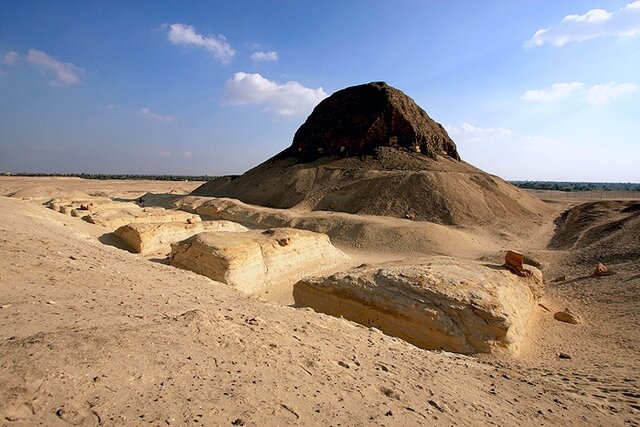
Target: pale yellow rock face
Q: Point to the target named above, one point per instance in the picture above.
(253, 260)
(113, 219)
(157, 237)
(437, 303)
(111, 214)
(72, 207)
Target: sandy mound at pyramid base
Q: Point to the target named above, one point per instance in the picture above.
(392, 182)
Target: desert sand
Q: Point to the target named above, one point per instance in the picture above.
(366, 275)
(92, 334)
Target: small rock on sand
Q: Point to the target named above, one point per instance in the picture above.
(568, 316)
(601, 270)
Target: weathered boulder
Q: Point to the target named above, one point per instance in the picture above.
(568, 316)
(115, 218)
(158, 236)
(356, 120)
(255, 259)
(437, 303)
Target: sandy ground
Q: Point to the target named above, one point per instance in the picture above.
(93, 335)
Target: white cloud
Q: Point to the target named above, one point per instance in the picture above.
(10, 58)
(64, 72)
(633, 6)
(594, 95)
(146, 112)
(285, 99)
(260, 56)
(470, 133)
(188, 154)
(164, 153)
(600, 94)
(595, 23)
(555, 92)
(594, 15)
(181, 34)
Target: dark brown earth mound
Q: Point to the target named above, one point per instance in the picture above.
(604, 231)
(356, 120)
(420, 176)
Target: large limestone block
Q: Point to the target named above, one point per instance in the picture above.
(115, 218)
(255, 259)
(439, 303)
(156, 237)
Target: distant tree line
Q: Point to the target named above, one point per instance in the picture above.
(577, 186)
(535, 185)
(118, 176)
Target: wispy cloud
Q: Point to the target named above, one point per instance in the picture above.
(623, 22)
(594, 95)
(10, 58)
(260, 56)
(63, 72)
(188, 154)
(556, 92)
(285, 99)
(146, 112)
(185, 35)
(470, 133)
(600, 94)
(164, 153)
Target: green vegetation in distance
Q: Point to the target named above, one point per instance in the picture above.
(577, 186)
(535, 185)
(117, 176)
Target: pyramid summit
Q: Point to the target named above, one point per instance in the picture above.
(356, 120)
(371, 150)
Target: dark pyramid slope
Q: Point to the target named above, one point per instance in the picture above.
(371, 150)
(356, 120)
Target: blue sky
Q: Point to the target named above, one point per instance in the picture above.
(542, 90)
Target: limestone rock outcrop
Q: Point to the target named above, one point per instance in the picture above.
(80, 207)
(115, 218)
(355, 120)
(435, 303)
(157, 237)
(254, 259)
(113, 214)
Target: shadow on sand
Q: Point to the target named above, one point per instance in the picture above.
(111, 239)
(496, 266)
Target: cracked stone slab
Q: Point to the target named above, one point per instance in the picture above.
(255, 259)
(436, 303)
(158, 237)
